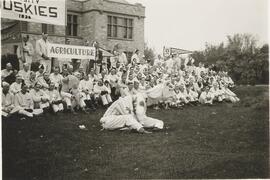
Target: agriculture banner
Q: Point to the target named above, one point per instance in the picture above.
(71, 52)
(40, 11)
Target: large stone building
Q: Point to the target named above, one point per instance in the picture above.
(109, 22)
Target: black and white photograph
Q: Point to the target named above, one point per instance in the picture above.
(134, 89)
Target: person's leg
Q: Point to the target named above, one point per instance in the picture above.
(104, 99)
(26, 113)
(55, 108)
(114, 122)
(108, 97)
(37, 111)
(149, 122)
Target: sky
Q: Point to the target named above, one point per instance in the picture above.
(189, 24)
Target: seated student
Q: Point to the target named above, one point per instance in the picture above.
(206, 96)
(8, 107)
(17, 85)
(167, 94)
(192, 95)
(68, 81)
(40, 71)
(44, 80)
(25, 73)
(40, 98)
(108, 86)
(136, 87)
(130, 86)
(113, 79)
(181, 96)
(32, 80)
(229, 95)
(8, 74)
(218, 94)
(228, 80)
(142, 85)
(92, 76)
(56, 77)
(86, 89)
(78, 100)
(122, 88)
(102, 92)
(55, 98)
(24, 102)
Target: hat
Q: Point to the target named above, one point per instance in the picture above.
(19, 76)
(5, 84)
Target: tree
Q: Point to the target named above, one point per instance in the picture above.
(244, 60)
(149, 54)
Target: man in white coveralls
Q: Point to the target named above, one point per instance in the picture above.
(129, 112)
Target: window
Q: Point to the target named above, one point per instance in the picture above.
(72, 25)
(48, 28)
(119, 27)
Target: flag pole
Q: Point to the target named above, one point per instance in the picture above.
(21, 39)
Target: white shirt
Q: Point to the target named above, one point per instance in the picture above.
(15, 88)
(41, 48)
(135, 58)
(26, 52)
(56, 78)
(25, 75)
(86, 85)
(123, 58)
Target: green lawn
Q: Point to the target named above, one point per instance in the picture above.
(222, 141)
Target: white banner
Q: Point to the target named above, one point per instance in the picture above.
(71, 52)
(40, 11)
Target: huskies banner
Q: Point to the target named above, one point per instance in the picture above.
(71, 52)
(40, 11)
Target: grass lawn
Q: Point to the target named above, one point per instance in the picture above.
(222, 141)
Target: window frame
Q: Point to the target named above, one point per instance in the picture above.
(73, 25)
(119, 27)
(45, 28)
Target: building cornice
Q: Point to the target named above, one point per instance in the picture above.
(104, 11)
(135, 5)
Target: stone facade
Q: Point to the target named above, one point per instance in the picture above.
(92, 25)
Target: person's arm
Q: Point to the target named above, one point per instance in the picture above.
(16, 101)
(19, 53)
(38, 48)
(31, 50)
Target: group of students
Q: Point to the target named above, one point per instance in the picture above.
(165, 83)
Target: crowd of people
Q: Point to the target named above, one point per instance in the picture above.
(170, 83)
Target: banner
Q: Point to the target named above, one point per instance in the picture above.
(180, 51)
(39, 11)
(71, 52)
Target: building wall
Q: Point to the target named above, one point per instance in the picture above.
(92, 19)
(128, 45)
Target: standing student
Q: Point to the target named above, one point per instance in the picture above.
(42, 52)
(25, 52)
